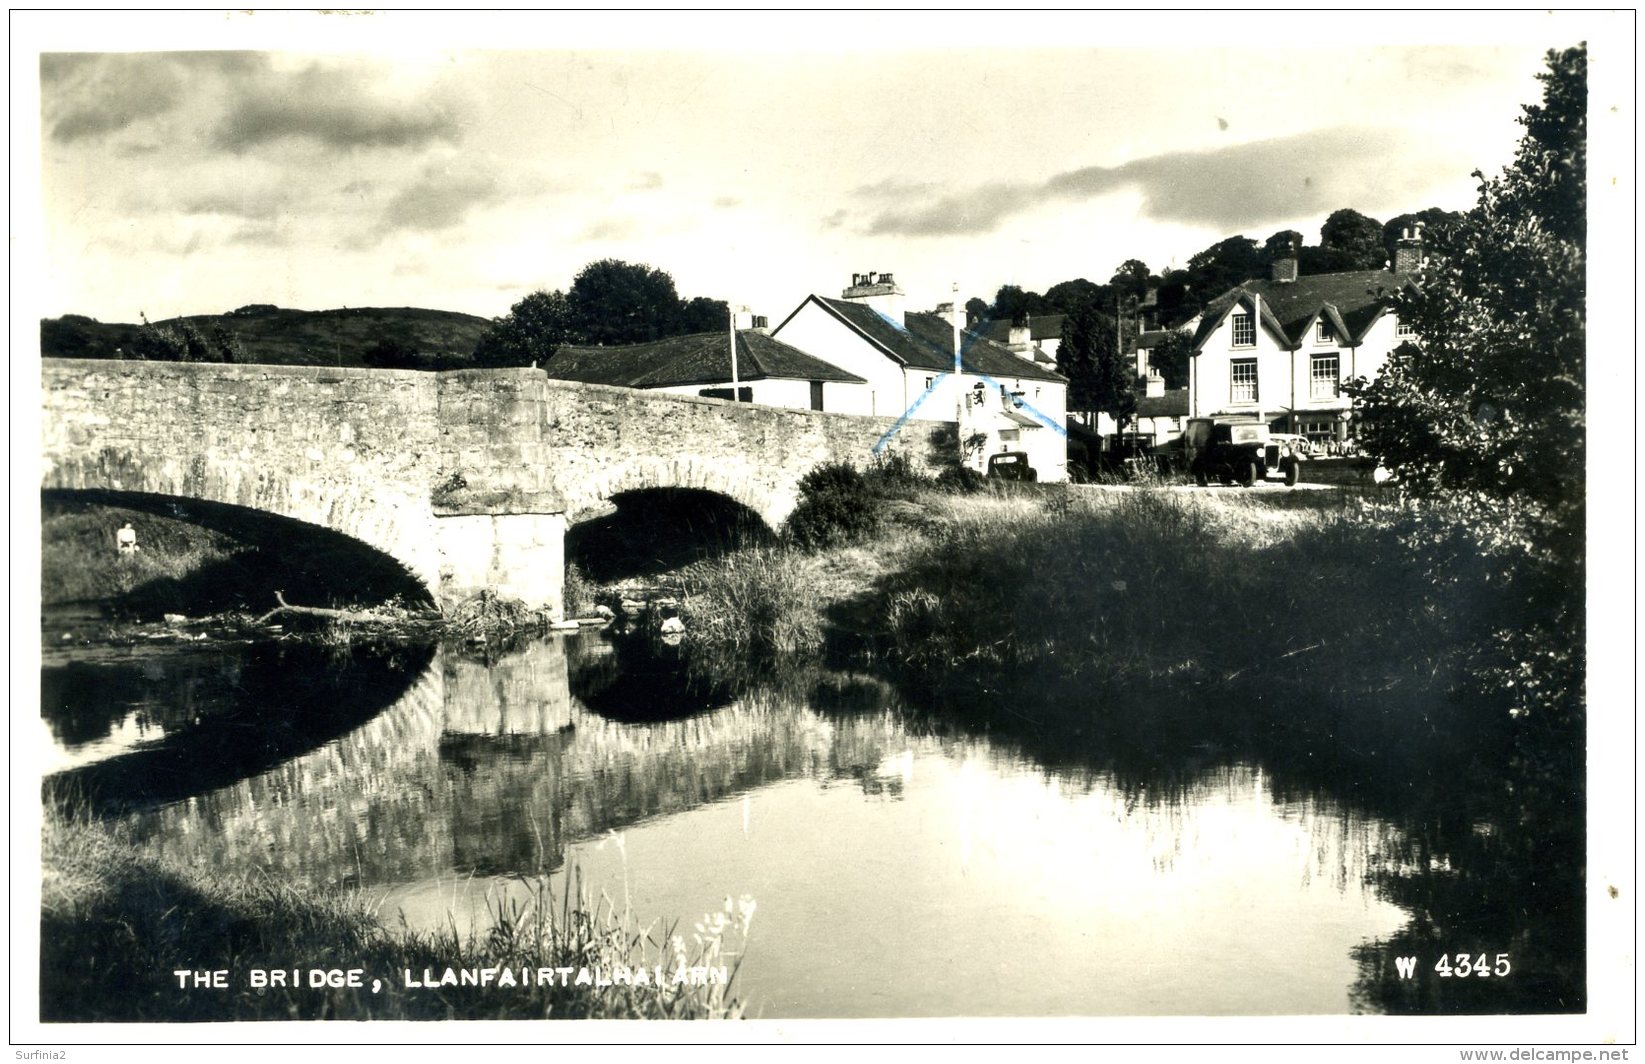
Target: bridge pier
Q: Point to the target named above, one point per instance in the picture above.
(513, 555)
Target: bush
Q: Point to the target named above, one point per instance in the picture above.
(837, 504)
(961, 480)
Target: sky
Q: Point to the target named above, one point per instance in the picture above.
(460, 164)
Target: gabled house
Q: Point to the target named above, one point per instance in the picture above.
(769, 371)
(999, 401)
(1280, 350)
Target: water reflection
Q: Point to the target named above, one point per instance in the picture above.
(906, 860)
(161, 728)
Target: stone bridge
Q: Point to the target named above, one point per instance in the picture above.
(468, 479)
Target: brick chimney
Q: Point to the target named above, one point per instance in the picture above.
(1284, 269)
(877, 290)
(1408, 250)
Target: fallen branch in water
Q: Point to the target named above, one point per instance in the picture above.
(353, 616)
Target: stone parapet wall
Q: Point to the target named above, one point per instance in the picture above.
(404, 460)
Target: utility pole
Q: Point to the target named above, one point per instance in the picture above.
(731, 312)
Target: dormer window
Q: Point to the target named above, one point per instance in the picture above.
(1325, 332)
(1403, 330)
(1245, 329)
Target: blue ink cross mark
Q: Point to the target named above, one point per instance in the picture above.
(968, 338)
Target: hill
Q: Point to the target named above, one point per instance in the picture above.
(380, 337)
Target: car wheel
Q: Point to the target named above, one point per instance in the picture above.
(1293, 472)
(1200, 478)
(1249, 474)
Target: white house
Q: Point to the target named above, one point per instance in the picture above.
(1280, 350)
(768, 370)
(1000, 402)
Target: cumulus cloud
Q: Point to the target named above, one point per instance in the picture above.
(1242, 185)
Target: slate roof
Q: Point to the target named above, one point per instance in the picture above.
(1147, 341)
(926, 341)
(1174, 403)
(1351, 300)
(1040, 327)
(701, 358)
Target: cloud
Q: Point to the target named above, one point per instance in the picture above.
(608, 229)
(646, 182)
(725, 203)
(249, 204)
(87, 96)
(439, 198)
(1242, 185)
(333, 107)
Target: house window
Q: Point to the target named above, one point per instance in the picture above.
(1402, 330)
(929, 381)
(1242, 373)
(1325, 333)
(1318, 430)
(1326, 383)
(1009, 435)
(1245, 330)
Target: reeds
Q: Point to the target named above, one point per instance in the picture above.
(118, 921)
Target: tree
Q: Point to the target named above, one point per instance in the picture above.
(1433, 219)
(1225, 264)
(701, 314)
(975, 310)
(616, 302)
(1169, 358)
(1014, 305)
(177, 341)
(1100, 378)
(1131, 278)
(1356, 237)
(528, 334)
(1066, 296)
(1485, 409)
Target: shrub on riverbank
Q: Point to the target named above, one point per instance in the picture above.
(118, 921)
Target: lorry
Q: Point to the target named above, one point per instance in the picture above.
(1241, 452)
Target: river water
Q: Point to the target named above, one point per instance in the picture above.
(900, 864)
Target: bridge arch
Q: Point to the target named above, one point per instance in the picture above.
(595, 497)
(374, 515)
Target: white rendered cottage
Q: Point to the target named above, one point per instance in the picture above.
(1000, 402)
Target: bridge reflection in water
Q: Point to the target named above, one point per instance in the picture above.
(901, 867)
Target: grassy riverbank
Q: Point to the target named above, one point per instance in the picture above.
(1316, 599)
(118, 919)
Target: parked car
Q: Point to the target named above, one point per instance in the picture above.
(1241, 452)
(1011, 465)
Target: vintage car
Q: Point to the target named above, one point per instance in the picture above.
(1241, 452)
(1011, 465)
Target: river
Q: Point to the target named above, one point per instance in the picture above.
(901, 863)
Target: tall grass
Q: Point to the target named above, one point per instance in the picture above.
(1158, 585)
(79, 562)
(119, 920)
(757, 606)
